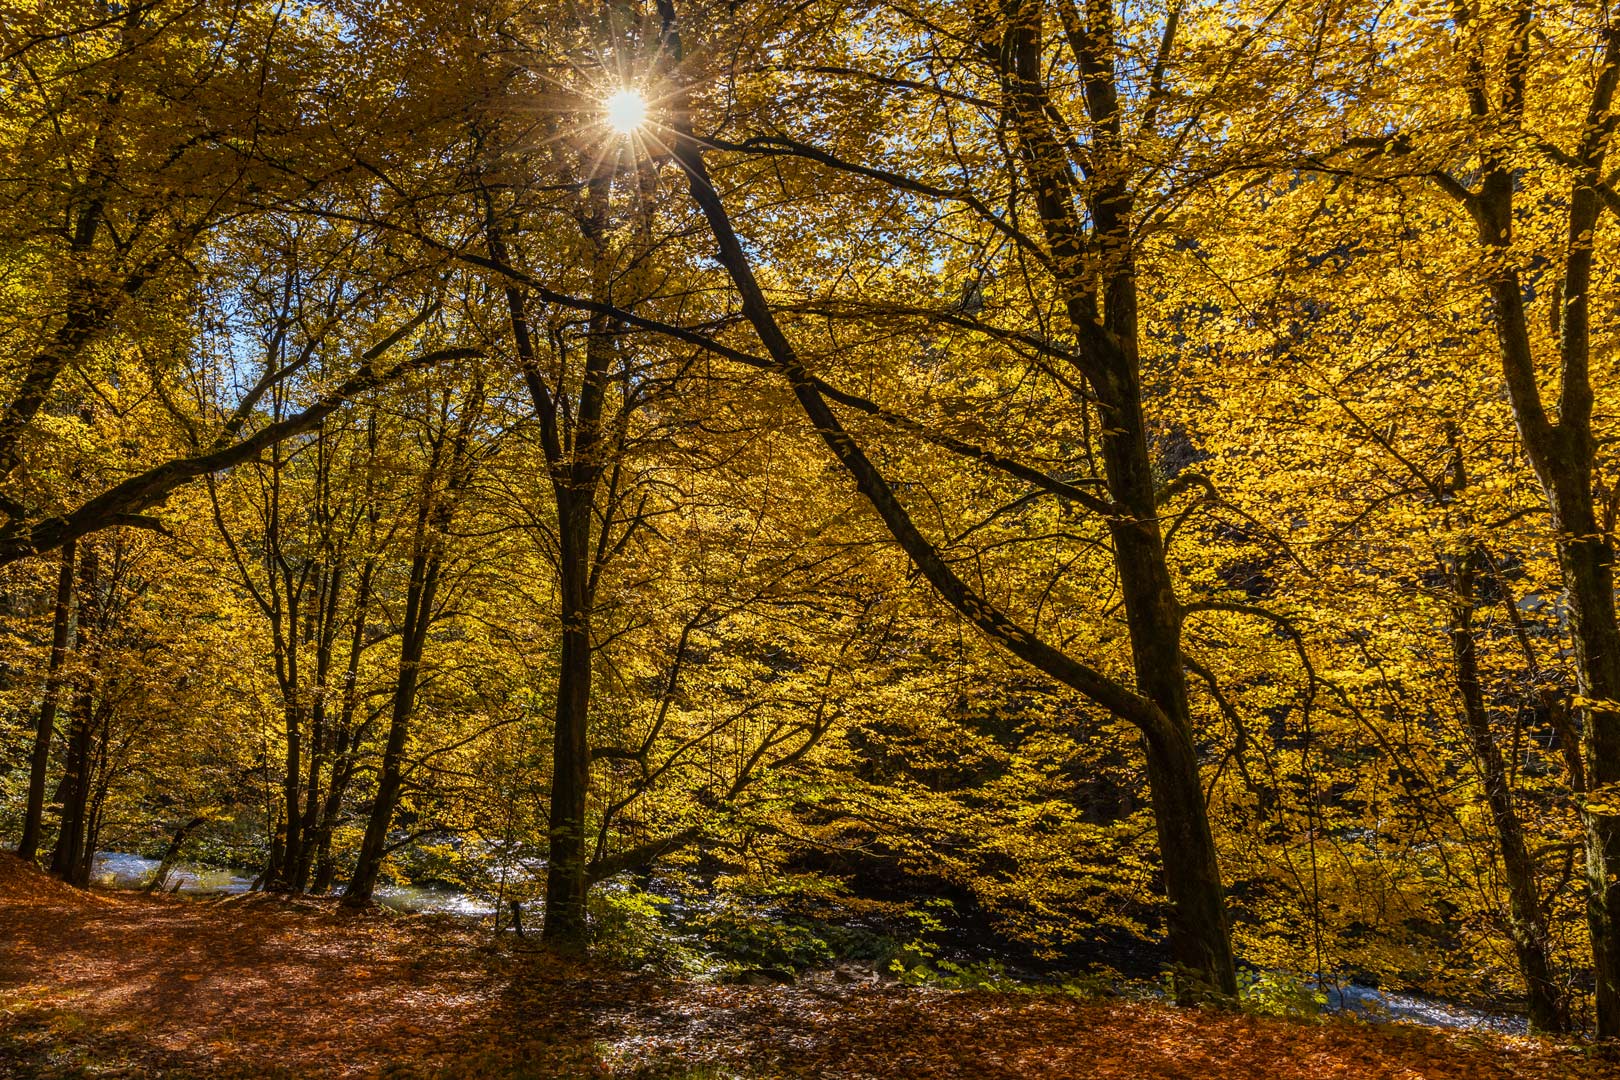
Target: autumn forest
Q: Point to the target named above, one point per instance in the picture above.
(853, 518)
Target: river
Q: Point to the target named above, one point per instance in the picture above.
(121, 870)
(1371, 1004)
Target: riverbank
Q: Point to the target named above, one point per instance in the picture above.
(118, 985)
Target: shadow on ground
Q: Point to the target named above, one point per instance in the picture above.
(103, 986)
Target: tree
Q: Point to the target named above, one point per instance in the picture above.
(451, 448)
(1527, 180)
(1086, 255)
(158, 172)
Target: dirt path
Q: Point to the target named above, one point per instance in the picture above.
(127, 986)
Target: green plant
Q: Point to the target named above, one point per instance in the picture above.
(629, 929)
(974, 975)
(1273, 993)
(1104, 982)
(759, 939)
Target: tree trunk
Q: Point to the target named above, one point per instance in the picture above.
(1526, 921)
(345, 739)
(576, 478)
(576, 472)
(285, 585)
(1587, 559)
(344, 751)
(1564, 461)
(69, 855)
(433, 517)
(1564, 456)
(413, 640)
(171, 854)
(567, 883)
(291, 784)
(101, 774)
(327, 596)
(44, 732)
(1200, 938)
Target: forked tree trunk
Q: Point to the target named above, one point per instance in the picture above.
(1561, 447)
(1097, 277)
(449, 471)
(74, 792)
(1563, 453)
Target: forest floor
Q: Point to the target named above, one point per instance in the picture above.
(102, 985)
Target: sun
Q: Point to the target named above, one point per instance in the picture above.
(626, 111)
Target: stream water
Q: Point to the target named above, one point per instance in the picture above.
(1371, 1004)
(121, 870)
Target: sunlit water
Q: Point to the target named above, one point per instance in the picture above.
(121, 870)
(1364, 1001)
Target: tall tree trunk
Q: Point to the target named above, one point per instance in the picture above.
(567, 883)
(45, 730)
(1587, 557)
(282, 604)
(1564, 456)
(68, 855)
(1200, 938)
(576, 470)
(345, 740)
(575, 479)
(413, 640)
(1562, 450)
(450, 470)
(1526, 921)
